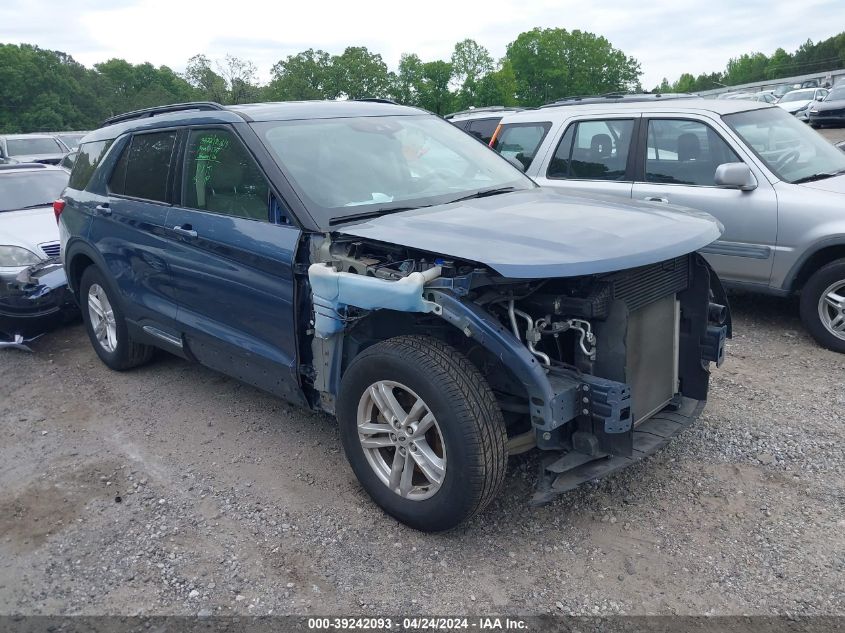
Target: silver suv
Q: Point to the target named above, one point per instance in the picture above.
(776, 185)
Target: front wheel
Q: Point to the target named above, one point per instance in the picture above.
(422, 431)
(823, 306)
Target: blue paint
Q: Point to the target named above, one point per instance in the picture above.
(540, 233)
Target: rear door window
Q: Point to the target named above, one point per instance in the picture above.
(483, 129)
(684, 152)
(521, 140)
(144, 166)
(593, 150)
(222, 177)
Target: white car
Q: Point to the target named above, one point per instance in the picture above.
(28, 230)
(798, 102)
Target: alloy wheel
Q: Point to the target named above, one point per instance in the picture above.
(401, 440)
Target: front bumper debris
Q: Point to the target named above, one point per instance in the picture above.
(563, 472)
(37, 301)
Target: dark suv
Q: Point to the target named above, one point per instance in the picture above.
(374, 262)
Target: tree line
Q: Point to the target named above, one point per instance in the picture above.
(809, 58)
(44, 90)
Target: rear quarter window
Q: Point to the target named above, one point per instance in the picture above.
(87, 159)
(521, 140)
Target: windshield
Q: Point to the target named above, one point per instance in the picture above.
(789, 148)
(21, 190)
(71, 140)
(837, 94)
(798, 95)
(351, 166)
(41, 145)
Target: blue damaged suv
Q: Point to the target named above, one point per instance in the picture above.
(374, 262)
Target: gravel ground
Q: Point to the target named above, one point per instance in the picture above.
(173, 490)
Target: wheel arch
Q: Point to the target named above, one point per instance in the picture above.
(381, 325)
(823, 254)
(78, 257)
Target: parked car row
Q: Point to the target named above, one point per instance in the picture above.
(50, 147)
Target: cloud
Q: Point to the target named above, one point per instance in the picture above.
(668, 39)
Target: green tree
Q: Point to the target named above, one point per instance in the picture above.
(470, 63)
(497, 87)
(407, 82)
(552, 63)
(358, 74)
(306, 75)
(44, 90)
(200, 74)
(434, 94)
(685, 83)
(746, 68)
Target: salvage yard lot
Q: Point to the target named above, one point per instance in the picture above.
(172, 489)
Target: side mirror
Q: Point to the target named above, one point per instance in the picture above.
(515, 162)
(735, 176)
(820, 98)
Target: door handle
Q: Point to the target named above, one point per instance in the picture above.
(185, 230)
(103, 209)
(656, 199)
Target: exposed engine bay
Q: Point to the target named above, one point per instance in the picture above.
(579, 365)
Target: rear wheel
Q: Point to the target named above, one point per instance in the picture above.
(823, 306)
(106, 325)
(422, 432)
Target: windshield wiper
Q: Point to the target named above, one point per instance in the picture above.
(34, 206)
(484, 193)
(820, 176)
(374, 213)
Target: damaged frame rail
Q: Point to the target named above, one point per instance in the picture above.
(583, 421)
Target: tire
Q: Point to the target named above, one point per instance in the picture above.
(823, 318)
(117, 350)
(468, 432)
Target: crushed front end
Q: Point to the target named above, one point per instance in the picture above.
(617, 363)
(597, 371)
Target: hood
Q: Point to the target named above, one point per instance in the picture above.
(824, 106)
(794, 106)
(541, 233)
(29, 228)
(833, 185)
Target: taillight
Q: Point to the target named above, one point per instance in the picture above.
(58, 207)
(495, 136)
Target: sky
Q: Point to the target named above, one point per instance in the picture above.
(667, 38)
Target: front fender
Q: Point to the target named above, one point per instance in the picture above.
(477, 324)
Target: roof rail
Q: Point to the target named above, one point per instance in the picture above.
(618, 97)
(175, 107)
(376, 100)
(495, 108)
